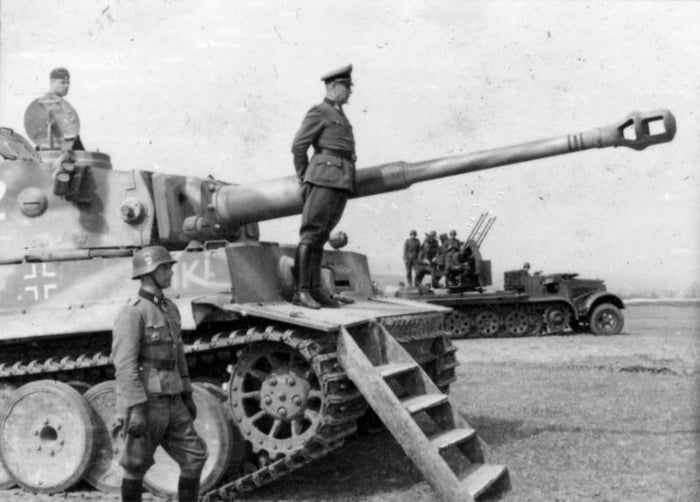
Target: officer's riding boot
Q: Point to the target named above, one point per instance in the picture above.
(131, 490)
(187, 489)
(302, 295)
(317, 291)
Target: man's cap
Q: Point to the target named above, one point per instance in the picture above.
(453, 232)
(343, 75)
(413, 232)
(59, 73)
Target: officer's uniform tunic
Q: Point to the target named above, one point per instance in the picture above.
(151, 368)
(329, 178)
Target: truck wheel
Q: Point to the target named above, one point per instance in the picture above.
(606, 320)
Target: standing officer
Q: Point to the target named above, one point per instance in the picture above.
(327, 179)
(411, 248)
(154, 392)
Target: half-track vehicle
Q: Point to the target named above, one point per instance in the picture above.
(529, 304)
(278, 385)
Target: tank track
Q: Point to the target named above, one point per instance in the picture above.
(500, 320)
(343, 404)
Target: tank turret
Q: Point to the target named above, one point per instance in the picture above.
(66, 204)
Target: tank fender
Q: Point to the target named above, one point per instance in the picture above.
(596, 299)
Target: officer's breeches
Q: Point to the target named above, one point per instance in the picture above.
(323, 208)
(170, 426)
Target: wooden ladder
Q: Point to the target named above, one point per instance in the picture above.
(410, 405)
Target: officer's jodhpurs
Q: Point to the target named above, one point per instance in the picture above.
(323, 208)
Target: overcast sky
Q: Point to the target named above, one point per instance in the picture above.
(220, 87)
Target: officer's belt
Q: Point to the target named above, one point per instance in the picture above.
(158, 364)
(338, 153)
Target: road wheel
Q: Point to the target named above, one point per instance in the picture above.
(517, 323)
(105, 473)
(488, 323)
(606, 320)
(459, 324)
(276, 398)
(214, 427)
(6, 480)
(46, 436)
(556, 319)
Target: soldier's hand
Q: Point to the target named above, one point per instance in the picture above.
(137, 420)
(189, 404)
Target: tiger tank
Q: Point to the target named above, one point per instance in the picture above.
(277, 386)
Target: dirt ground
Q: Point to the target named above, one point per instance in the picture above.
(576, 418)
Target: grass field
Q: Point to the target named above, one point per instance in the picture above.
(576, 418)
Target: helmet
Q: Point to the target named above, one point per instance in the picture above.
(148, 259)
(453, 233)
(432, 234)
(338, 239)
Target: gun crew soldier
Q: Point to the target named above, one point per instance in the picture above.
(411, 249)
(328, 179)
(154, 392)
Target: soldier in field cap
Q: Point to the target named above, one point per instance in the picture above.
(328, 179)
(59, 82)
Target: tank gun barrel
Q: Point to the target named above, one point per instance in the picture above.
(237, 205)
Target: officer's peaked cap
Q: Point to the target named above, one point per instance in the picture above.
(59, 73)
(343, 75)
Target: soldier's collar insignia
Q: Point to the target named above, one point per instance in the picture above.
(155, 299)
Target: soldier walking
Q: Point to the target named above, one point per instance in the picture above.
(411, 248)
(327, 179)
(154, 392)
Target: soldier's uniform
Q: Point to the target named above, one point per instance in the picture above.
(426, 257)
(328, 178)
(411, 249)
(151, 371)
(151, 368)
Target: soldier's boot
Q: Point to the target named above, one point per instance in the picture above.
(302, 293)
(187, 489)
(131, 490)
(318, 293)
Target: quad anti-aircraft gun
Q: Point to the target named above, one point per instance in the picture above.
(278, 386)
(530, 304)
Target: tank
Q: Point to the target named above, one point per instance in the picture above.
(271, 389)
(529, 304)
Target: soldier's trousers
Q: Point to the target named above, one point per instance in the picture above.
(170, 426)
(323, 208)
(410, 268)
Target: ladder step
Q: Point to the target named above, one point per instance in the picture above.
(478, 478)
(423, 402)
(445, 439)
(393, 369)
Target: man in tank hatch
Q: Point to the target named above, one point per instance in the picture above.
(154, 392)
(51, 121)
(327, 179)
